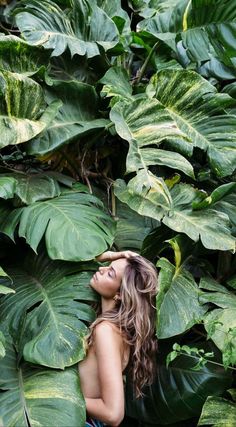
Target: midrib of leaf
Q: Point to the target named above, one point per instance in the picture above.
(174, 114)
(22, 398)
(45, 298)
(63, 214)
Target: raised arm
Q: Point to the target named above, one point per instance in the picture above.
(112, 256)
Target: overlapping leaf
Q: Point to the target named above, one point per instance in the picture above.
(76, 117)
(178, 308)
(46, 315)
(149, 196)
(203, 34)
(23, 111)
(145, 124)
(48, 25)
(75, 228)
(34, 395)
(17, 56)
(178, 392)
(199, 112)
(218, 412)
(219, 322)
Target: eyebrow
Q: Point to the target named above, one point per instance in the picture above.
(114, 271)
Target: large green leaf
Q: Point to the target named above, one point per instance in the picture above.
(218, 412)
(75, 228)
(178, 392)
(145, 124)
(38, 396)
(46, 315)
(23, 111)
(149, 196)
(17, 56)
(178, 308)
(77, 117)
(199, 112)
(204, 27)
(32, 187)
(83, 28)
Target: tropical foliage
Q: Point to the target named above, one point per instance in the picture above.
(117, 129)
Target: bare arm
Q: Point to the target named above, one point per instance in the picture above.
(112, 256)
(108, 346)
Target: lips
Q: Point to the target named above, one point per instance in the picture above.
(95, 276)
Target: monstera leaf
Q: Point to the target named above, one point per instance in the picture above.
(23, 111)
(76, 118)
(178, 392)
(83, 28)
(149, 195)
(46, 315)
(38, 396)
(178, 307)
(85, 230)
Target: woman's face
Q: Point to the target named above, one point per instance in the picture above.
(107, 280)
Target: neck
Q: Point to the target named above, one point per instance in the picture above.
(107, 304)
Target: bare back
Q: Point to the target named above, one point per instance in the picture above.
(91, 368)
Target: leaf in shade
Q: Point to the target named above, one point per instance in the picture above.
(76, 117)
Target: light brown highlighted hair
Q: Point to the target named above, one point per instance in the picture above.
(135, 316)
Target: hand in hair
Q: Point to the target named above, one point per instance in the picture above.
(112, 256)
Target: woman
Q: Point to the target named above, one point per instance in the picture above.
(124, 333)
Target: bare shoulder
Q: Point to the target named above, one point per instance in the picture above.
(106, 330)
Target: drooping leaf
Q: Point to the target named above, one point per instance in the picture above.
(149, 196)
(17, 56)
(33, 187)
(34, 395)
(77, 117)
(178, 392)
(83, 28)
(75, 228)
(202, 34)
(218, 412)
(145, 194)
(145, 124)
(178, 308)
(23, 111)
(199, 112)
(46, 315)
(2, 345)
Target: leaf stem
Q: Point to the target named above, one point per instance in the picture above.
(145, 64)
(208, 361)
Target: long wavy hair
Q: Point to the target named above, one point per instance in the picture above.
(135, 316)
